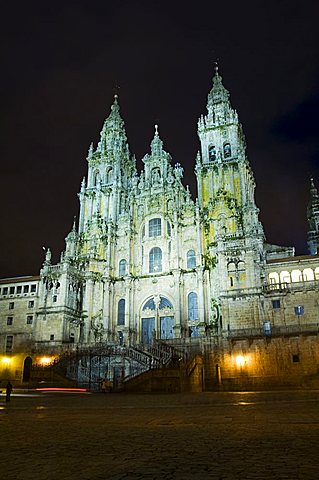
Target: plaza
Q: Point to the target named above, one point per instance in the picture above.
(222, 436)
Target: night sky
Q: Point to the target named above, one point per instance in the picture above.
(61, 62)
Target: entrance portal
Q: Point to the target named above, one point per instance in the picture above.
(27, 369)
(167, 327)
(148, 330)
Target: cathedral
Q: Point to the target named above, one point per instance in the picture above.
(147, 263)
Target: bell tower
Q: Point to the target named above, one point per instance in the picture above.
(313, 220)
(233, 235)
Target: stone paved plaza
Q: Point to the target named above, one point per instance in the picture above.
(223, 436)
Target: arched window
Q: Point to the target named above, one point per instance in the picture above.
(155, 227)
(284, 277)
(122, 268)
(109, 176)
(168, 226)
(192, 306)
(241, 266)
(227, 150)
(155, 260)
(121, 312)
(296, 276)
(150, 304)
(231, 267)
(308, 274)
(96, 178)
(143, 231)
(212, 153)
(273, 278)
(165, 303)
(191, 259)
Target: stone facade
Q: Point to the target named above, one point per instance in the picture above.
(146, 261)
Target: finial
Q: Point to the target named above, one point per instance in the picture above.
(74, 224)
(90, 152)
(116, 97)
(216, 72)
(156, 130)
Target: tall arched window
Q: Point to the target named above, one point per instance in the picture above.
(227, 150)
(122, 268)
(121, 312)
(96, 178)
(155, 260)
(192, 306)
(212, 153)
(155, 227)
(231, 267)
(191, 259)
(109, 176)
(168, 226)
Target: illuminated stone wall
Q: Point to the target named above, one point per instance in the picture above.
(144, 252)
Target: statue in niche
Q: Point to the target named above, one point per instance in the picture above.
(141, 184)
(170, 178)
(156, 177)
(135, 181)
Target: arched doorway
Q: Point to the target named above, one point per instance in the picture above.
(27, 369)
(157, 319)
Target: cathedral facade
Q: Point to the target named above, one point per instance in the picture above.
(147, 262)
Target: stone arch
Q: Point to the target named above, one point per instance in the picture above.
(157, 318)
(296, 276)
(308, 275)
(27, 366)
(273, 278)
(285, 276)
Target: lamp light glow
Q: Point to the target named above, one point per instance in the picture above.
(6, 360)
(240, 361)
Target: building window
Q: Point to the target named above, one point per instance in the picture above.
(29, 319)
(9, 343)
(19, 289)
(155, 260)
(26, 289)
(227, 150)
(169, 231)
(299, 310)
(11, 291)
(121, 312)
(11, 305)
(295, 358)
(191, 259)
(212, 153)
(5, 291)
(122, 268)
(51, 337)
(275, 303)
(150, 304)
(165, 303)
(9, 320)
(54, 298)
(192, 306)
(155, 227)
(33, 288)
(31, 304)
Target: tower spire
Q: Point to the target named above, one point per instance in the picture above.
(313, 219)
(113, 134)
